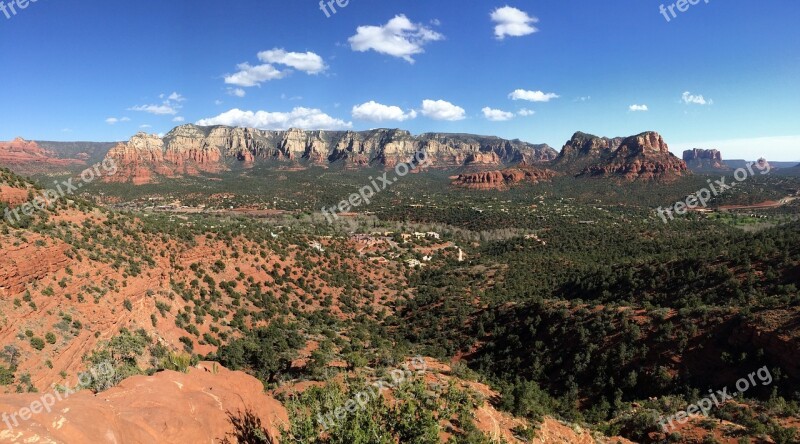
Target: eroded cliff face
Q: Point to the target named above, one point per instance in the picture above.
(584, 148)
(642, 157)
(28, 157)
(503, 179)
(703, 159)
(190, 150)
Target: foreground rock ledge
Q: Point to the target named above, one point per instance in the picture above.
(169, 407)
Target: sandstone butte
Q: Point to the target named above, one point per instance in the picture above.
(642, 157)
(645, 156)
(503, 179)
(698, 158)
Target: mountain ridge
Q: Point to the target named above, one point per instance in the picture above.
(191, 149)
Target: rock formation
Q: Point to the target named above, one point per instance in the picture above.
(169, 407)
(704, 159)
(584, 149)
(190, 150)
(642, 157)
(503, 179)
(28, 157)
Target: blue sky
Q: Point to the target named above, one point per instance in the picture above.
(723, 74)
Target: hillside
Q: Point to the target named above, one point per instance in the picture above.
(28, 157)
(523, 295)
(90, 152)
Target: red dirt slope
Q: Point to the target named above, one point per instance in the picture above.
(169, 407)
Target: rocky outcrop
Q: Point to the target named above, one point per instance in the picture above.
(12, 196)
(642, 157)
(502, 180)
(584, 149)
(147, 155)
(190, 150)
(28, 157)
(168, 407)
(704, 159)
(25, 262)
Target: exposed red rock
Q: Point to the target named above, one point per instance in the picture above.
(25, 262)
(191, 150)
(27, 157)
(29, 267)
(642, 157)
(503, 179)
(169, 407)
(703, 159)
(146, 156)
(12, 195)
(583, 145)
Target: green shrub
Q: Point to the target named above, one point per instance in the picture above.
(37, 343)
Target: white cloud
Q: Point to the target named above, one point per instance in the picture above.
(691, 99)
(218, 102)
(169, 106)
(638, 108)
(442, 110)
(175, 97)
(254, 75)
(162, 109)
(376, 112)
(532, 96)
(114, 120)
(304, 118)
(145, 126)
(307, 62)
(526, 112)
(397, 38)
(496, 115)
(249, 75)
(512, 22)
(178, 119)
(238, 92)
